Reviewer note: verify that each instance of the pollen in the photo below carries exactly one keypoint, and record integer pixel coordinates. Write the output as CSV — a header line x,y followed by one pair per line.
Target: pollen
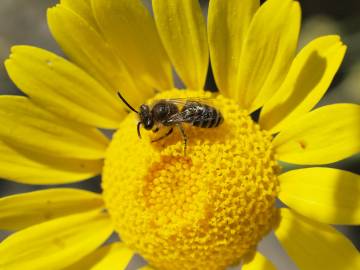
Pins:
x,y
205,210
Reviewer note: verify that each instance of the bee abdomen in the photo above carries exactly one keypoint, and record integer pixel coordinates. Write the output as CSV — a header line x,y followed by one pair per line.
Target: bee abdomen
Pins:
x,y
208,118
219,120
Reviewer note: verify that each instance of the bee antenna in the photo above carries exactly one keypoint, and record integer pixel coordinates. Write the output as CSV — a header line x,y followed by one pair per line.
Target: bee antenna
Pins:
x,y
126,103
138,130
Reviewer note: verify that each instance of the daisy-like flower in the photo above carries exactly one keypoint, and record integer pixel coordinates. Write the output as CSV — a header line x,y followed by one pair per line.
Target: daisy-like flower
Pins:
x,y
210,208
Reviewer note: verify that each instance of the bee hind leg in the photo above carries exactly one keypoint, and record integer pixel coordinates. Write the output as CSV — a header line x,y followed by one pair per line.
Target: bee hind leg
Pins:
x,y
184,136
164,136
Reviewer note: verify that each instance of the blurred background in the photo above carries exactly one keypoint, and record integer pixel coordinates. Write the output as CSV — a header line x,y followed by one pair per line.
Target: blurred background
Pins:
x,y
24,22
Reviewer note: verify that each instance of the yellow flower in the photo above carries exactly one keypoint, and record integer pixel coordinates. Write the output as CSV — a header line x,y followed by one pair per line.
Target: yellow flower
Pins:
x,y
207,209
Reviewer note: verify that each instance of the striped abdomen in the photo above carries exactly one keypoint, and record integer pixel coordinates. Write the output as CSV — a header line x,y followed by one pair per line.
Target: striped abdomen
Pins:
x,y
202,115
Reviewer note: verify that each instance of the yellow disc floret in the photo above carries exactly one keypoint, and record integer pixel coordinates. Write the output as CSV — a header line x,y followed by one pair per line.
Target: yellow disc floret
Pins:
x,y
205,210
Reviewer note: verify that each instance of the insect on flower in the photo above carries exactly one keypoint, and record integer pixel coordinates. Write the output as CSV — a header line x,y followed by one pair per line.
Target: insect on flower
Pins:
x,y
175,112
207,212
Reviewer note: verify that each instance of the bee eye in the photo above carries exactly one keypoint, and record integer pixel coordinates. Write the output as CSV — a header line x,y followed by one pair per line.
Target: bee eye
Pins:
x,y
149,123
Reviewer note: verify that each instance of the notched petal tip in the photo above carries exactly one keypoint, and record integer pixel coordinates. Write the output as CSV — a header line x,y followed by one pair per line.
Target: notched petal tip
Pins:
x,y
309,76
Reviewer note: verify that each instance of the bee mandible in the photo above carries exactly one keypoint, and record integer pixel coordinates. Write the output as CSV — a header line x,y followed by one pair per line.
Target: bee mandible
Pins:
x,y
175,112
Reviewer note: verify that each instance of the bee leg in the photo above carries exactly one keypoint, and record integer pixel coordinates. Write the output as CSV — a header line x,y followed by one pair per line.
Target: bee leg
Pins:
x,y
164,136
183,134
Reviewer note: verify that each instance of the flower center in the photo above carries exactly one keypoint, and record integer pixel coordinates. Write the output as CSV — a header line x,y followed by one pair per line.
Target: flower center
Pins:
x,y
205,210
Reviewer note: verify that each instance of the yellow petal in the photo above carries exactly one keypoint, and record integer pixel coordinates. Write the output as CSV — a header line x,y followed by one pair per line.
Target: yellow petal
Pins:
x,y
29,126
62,88
83,9
55,244
131,31
23,210
325,135
257,262
315,246
28,167
323,194
87,48
286,48
307,81
228,23
267,52
113,256
182,30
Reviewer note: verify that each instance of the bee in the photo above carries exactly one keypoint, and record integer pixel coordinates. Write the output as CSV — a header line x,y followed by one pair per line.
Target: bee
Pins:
x,y
174,113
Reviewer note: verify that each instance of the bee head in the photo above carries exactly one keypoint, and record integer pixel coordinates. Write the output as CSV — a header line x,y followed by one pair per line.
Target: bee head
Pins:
x,y
145,115
146,118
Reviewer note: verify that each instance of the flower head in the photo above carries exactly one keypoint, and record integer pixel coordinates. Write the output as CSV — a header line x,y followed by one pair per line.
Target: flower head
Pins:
x,y
207,208
204,210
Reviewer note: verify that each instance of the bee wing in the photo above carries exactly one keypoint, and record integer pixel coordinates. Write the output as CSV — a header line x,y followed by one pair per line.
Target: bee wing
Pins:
x,y
188,116
181,117
183,101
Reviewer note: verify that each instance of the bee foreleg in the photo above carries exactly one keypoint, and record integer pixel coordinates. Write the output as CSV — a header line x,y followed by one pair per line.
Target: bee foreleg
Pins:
x,y
164,136
183,134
